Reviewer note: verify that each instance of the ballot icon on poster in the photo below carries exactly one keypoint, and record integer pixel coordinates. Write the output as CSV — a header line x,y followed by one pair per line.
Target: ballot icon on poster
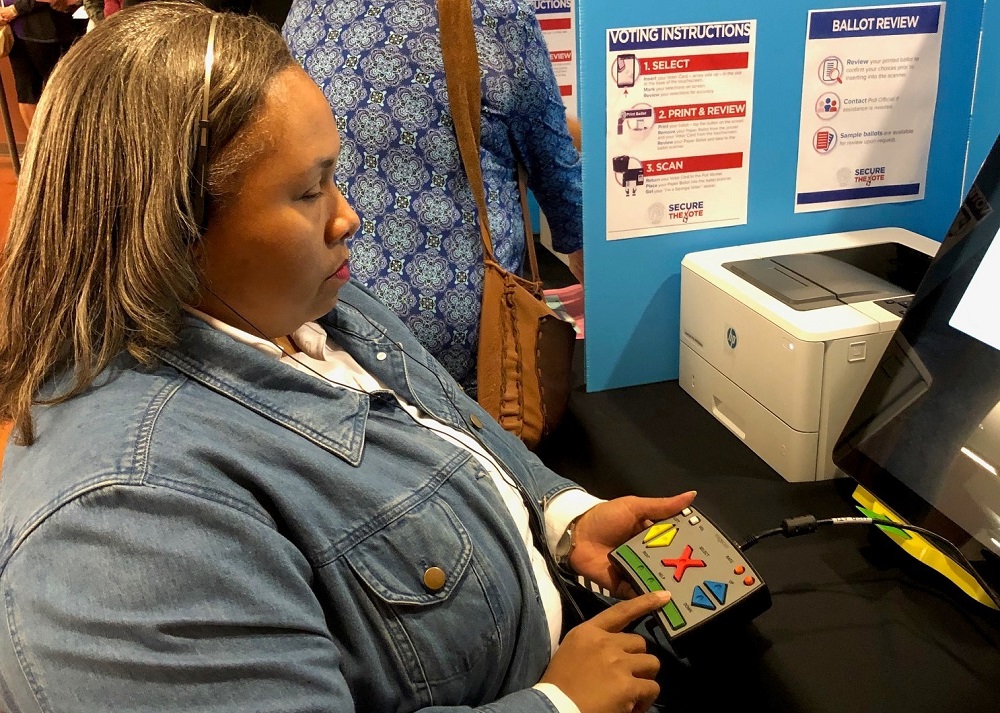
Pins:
x,y
825,140
831,71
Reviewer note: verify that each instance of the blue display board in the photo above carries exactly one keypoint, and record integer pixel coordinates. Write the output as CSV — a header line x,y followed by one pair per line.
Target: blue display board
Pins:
x,y
986,106
633,286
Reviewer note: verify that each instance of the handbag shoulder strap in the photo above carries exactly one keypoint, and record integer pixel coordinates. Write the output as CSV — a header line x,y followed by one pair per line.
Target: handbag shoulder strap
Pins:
x,y
529,234
461,72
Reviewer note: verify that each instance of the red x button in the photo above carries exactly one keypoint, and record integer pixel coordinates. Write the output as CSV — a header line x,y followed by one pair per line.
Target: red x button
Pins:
x,y
683,562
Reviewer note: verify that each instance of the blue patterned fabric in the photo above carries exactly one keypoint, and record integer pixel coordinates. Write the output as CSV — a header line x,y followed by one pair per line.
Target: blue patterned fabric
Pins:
x,y
379,64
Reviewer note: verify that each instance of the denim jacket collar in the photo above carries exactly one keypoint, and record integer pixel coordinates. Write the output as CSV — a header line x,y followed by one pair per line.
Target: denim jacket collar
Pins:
x,y
331,416
394,356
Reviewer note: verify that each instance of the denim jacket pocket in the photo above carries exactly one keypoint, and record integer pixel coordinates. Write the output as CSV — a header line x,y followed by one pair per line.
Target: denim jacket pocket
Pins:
x,y
431,594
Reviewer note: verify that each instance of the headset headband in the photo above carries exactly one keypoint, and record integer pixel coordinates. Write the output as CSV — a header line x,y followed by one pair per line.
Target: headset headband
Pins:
x,y
200,196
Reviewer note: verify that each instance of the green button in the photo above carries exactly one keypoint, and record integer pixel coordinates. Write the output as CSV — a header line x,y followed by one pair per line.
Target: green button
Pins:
x,y
639,567
674,615
633,560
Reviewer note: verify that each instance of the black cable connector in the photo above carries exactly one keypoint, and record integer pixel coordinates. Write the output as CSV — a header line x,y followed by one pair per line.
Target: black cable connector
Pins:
x,y
801,525
804,524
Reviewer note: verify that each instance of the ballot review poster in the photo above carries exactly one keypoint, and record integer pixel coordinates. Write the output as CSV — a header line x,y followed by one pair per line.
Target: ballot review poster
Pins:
x,y
680,105
869,87
557,21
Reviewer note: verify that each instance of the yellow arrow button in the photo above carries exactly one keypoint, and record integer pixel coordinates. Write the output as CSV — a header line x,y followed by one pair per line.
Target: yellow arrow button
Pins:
x,y
660,535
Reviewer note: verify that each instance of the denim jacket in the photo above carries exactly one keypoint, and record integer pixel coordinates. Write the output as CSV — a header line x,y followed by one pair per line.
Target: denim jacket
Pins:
x,y
223,533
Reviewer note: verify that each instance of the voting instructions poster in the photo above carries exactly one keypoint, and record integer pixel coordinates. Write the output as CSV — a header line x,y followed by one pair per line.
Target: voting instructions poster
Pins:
x,y
680,101
557,20
869,87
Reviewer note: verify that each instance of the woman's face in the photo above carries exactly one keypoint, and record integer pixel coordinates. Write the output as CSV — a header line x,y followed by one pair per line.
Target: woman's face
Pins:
x,y
275,255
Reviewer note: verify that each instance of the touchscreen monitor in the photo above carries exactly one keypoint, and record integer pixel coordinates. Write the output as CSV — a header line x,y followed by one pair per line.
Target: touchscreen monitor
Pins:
x,y
924,437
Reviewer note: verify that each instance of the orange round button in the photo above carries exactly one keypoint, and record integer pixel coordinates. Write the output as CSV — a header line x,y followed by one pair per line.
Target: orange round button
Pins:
x,y
748,580
739,569
434,578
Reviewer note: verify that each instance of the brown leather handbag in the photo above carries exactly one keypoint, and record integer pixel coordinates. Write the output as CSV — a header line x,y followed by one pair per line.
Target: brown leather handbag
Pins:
x,y
525,353
6,36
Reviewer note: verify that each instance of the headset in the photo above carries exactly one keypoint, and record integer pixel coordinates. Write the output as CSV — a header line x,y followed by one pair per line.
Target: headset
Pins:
x,y
199,197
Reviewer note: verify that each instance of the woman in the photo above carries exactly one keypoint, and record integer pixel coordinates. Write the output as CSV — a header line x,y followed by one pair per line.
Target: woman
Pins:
x,y
419,249
240,484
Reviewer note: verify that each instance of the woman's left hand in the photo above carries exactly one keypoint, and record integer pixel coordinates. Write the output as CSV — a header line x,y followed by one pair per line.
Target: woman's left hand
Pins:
x,y
607,525
7,14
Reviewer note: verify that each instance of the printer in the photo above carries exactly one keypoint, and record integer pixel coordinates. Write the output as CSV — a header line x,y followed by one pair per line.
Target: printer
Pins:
x,y
779,339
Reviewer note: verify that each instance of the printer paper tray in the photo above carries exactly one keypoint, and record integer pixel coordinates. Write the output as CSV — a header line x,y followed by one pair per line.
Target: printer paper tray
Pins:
x,y
791,453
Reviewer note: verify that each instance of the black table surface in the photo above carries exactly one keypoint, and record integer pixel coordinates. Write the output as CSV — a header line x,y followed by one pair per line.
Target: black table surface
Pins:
x,y
855,623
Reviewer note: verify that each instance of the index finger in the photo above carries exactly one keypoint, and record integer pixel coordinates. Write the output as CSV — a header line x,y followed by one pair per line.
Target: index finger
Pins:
x,y
617,617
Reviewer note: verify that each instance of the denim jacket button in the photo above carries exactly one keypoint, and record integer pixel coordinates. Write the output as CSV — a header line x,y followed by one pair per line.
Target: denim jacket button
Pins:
x,y
476,422
434,578
381,356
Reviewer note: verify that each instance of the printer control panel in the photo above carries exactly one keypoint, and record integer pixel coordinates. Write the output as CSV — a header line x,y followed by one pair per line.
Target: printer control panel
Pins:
x,y
897,305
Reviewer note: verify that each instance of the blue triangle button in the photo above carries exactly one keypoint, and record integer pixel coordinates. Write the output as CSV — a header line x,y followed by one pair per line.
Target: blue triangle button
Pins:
x,y
718,590
700,599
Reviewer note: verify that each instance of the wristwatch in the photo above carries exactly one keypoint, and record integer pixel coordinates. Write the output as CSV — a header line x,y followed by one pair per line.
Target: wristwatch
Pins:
x,y
566,545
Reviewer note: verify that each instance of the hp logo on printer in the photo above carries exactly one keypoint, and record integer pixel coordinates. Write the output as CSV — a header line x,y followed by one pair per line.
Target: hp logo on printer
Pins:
x,y
731,338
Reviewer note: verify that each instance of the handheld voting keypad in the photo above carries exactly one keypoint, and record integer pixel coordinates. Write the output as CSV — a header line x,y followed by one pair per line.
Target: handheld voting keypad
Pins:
x,y
711,581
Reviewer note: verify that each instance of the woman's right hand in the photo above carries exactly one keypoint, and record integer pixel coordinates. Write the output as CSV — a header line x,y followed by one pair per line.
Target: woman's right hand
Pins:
x,y
603,670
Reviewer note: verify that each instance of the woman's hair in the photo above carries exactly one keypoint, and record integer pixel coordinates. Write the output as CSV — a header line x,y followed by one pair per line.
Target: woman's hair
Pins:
x,y
101,253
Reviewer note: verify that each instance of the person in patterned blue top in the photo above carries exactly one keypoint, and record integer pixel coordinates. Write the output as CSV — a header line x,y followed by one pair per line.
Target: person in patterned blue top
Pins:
x,y
419,250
